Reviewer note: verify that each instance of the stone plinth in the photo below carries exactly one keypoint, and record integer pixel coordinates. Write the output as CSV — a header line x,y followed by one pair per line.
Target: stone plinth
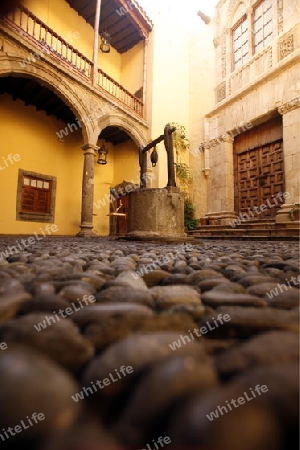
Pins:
x,y
156,213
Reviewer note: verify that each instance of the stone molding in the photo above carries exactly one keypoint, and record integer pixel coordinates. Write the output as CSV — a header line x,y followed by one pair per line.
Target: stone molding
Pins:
x,y
226,137
90,149
280,16
221,92
251,86
289,106
223,64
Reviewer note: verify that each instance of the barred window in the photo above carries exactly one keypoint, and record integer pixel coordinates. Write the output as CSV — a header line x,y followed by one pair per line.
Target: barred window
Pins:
x,y
240,43
262,25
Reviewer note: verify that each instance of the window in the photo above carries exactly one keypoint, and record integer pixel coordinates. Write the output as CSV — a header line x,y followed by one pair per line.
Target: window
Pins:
x,y
36,194
262,25
240,44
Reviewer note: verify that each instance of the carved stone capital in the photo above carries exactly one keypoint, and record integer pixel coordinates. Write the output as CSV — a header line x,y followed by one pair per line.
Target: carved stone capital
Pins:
x,y
217,41
206,171
89,149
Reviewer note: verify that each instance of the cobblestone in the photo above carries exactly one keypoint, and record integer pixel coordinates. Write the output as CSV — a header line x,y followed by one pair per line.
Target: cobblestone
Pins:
x,y
148,301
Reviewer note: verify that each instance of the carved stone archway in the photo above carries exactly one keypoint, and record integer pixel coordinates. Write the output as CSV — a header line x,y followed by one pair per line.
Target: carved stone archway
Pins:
x,y
63,87
48,77
137,134
233,6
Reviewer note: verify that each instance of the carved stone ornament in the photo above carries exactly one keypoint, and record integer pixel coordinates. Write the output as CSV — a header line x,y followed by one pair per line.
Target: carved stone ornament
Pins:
x,y
286,46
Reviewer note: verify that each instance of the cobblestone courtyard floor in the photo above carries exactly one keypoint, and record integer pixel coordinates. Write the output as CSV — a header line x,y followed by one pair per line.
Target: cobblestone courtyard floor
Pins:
x,y
112,344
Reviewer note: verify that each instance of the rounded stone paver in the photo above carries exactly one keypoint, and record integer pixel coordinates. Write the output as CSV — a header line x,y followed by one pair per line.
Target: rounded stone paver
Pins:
x,y
246,321
105,331
180,376
125,294
103,311
218,318
273,348
218,298
167,296
30,383
59,340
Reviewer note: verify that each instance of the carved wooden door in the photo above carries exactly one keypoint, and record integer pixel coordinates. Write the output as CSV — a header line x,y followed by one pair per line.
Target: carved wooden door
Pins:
x,y
259,178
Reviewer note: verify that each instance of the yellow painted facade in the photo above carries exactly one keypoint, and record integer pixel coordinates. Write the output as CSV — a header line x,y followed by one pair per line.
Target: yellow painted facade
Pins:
x,y
181,82
59,16
34,135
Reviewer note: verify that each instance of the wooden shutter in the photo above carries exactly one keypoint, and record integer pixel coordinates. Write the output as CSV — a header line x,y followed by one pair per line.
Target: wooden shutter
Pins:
x,y
27,200
35,197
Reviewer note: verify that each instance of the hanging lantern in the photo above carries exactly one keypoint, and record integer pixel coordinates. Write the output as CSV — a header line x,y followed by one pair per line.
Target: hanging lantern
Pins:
x,y
105,42
102,154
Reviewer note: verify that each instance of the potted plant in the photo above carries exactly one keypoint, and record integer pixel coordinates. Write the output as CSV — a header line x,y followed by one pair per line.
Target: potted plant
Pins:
x,y
294,212
213,221
203,221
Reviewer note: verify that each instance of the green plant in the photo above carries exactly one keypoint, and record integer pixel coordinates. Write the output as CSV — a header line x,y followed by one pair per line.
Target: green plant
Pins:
x,y
180,140
190,223
183,176
181,144
294,208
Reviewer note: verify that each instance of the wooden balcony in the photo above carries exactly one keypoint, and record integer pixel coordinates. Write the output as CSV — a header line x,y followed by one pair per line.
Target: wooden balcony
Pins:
x,y
49,42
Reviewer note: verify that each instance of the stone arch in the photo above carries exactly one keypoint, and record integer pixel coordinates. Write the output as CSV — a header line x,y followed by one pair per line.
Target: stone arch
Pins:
x,y
49,78
233,7
124,123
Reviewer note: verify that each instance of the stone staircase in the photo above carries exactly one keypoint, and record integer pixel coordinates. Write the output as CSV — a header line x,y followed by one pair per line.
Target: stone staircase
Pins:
x,y
249,230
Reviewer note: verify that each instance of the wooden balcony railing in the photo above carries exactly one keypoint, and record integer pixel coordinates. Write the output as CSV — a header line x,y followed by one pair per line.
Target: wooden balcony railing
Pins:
x,y
119,92
49,42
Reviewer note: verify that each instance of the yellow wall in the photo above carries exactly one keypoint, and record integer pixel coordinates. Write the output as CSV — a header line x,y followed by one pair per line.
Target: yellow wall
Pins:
x,y
132,68
126,162
180,84
170,64
104,176
32,135
126,69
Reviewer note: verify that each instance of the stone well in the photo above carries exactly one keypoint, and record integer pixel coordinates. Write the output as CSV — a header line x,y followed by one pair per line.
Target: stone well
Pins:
x,y
156,213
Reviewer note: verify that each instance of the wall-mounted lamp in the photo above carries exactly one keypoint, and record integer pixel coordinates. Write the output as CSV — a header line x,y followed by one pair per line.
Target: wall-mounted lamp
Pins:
x,y
102,154
105,42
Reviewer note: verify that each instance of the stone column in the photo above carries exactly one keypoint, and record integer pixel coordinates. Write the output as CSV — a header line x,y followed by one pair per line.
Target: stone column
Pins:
x,y
87,191
290,112
221,182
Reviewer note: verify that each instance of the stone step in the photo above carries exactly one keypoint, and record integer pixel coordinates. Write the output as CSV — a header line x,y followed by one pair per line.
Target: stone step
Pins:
x,y
262,225
218,231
